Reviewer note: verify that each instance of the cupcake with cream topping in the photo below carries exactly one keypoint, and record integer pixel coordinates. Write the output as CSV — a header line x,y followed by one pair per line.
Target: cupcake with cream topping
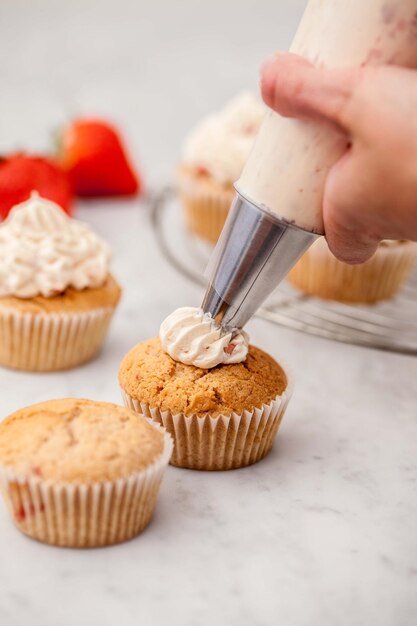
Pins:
x,y
220,398
213,158
318,273
57,296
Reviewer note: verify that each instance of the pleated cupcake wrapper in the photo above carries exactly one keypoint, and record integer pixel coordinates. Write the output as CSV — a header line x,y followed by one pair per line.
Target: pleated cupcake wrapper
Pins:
x,y
205,210
82,515
320,274
51,341
221,442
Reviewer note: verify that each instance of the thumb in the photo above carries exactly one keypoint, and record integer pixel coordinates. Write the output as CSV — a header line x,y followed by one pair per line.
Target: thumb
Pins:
x,y
351,247
294,87
350,229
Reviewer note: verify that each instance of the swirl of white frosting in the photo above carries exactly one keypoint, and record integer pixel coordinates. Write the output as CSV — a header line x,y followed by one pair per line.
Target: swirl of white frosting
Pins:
x,y
43,251
190,336
221,143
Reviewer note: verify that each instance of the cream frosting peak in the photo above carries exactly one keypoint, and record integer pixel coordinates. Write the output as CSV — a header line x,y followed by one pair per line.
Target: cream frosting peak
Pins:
x,y
191,337
44,251
221,143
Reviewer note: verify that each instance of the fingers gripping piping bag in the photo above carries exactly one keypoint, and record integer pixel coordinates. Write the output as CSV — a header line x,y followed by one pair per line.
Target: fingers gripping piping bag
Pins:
x,y
277,213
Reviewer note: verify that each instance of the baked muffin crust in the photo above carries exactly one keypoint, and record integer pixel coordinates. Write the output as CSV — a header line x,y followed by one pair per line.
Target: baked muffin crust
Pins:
x,y
151,376
76,440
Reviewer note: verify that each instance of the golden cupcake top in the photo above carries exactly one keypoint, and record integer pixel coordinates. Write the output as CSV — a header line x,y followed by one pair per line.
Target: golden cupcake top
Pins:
x,y
78,441
150,375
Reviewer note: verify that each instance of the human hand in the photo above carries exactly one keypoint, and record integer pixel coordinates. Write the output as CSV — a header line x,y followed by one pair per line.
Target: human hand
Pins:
x,y
371,192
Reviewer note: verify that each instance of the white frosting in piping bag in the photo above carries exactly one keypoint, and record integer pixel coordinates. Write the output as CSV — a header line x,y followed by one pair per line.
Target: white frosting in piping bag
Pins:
x,y
190,336
43,251
290,160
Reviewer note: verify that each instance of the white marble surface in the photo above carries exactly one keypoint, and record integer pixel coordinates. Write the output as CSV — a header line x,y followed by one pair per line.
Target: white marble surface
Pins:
x,y
321,532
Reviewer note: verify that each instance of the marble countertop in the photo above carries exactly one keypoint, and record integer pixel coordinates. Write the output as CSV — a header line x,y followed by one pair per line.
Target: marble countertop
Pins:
x,y
323,531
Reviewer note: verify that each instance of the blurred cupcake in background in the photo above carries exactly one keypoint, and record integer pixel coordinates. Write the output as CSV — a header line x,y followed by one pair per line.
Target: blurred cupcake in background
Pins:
x,y
57,296
213,158
318,273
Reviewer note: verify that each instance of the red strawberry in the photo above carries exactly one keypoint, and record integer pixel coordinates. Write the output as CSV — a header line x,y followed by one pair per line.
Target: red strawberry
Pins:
x,y
92,153
20,174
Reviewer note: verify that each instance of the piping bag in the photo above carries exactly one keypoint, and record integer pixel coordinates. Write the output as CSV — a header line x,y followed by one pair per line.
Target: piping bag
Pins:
x,y
277,212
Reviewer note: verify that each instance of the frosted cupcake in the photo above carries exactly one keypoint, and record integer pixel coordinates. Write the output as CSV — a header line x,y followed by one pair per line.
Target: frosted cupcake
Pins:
x,y
57,296
319,273
79,473
213,158
221,400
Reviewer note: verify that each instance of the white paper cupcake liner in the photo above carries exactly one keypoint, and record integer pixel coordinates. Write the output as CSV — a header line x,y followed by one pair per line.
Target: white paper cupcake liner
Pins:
x,y
319,273
205,208
85,515
51,341
222,442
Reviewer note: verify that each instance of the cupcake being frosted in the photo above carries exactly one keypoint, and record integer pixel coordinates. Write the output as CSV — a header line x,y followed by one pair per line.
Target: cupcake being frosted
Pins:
x,y
57,295
221,399
213,158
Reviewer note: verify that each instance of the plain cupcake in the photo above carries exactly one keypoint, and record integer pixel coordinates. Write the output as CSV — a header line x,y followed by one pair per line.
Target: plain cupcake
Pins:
x,y
213,157
221,416
57,295
79,473
318,273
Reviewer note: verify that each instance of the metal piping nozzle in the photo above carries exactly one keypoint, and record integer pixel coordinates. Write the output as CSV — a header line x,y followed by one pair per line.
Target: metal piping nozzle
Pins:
x,y
256,250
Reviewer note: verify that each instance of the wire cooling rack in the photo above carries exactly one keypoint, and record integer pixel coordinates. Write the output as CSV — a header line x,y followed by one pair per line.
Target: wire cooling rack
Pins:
x,y
390,325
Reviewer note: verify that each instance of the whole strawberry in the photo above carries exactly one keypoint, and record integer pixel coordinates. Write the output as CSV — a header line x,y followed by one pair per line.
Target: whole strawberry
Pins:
x,y
92,153
20,174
